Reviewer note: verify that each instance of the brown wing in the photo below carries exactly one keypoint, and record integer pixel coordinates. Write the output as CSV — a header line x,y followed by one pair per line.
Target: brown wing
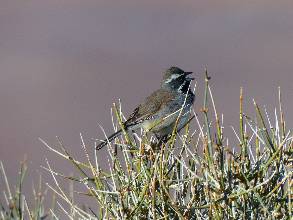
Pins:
x,y
150,106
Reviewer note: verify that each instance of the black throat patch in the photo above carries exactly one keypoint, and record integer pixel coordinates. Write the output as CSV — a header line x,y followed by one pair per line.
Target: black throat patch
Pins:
x,y
184,87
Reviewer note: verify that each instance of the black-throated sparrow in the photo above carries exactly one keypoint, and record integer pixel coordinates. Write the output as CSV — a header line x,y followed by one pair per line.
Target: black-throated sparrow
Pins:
x,y
159,112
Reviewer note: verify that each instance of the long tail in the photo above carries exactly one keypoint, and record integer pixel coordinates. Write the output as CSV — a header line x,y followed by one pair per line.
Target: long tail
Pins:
x,y
109,139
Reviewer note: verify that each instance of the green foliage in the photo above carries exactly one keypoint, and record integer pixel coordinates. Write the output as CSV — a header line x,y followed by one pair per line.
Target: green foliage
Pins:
x,y
15,205
197,174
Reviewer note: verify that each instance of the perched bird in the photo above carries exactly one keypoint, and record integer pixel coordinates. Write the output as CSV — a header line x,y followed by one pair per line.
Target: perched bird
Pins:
x,y
159,112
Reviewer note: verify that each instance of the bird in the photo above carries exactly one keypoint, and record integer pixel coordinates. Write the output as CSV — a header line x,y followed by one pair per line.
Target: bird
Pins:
x,y
158,113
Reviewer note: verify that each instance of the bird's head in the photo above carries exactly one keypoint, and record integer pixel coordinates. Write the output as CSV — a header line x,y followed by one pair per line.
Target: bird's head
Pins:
x,y
176,79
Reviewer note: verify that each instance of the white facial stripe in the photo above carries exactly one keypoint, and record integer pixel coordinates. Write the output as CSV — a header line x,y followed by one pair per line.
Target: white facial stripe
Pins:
x,y
173,76
181,87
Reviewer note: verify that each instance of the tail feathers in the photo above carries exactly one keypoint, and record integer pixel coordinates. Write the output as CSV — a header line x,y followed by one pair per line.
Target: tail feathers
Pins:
x,y
108,139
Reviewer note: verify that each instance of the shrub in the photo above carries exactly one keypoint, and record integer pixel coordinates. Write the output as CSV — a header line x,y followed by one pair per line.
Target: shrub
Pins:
x,y
197,174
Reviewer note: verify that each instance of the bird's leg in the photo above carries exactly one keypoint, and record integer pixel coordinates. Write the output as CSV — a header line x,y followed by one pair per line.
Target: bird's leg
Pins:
x,y
158,137
160,140
164,138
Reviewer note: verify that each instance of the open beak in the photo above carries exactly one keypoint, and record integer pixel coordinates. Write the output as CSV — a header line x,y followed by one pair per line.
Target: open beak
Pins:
x,y
188,73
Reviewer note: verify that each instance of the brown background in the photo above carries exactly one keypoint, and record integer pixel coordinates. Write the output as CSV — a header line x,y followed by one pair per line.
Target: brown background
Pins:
x,y
64,62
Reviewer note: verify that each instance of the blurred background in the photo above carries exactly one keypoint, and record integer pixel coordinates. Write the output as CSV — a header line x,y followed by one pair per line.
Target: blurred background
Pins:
x,y
64,62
